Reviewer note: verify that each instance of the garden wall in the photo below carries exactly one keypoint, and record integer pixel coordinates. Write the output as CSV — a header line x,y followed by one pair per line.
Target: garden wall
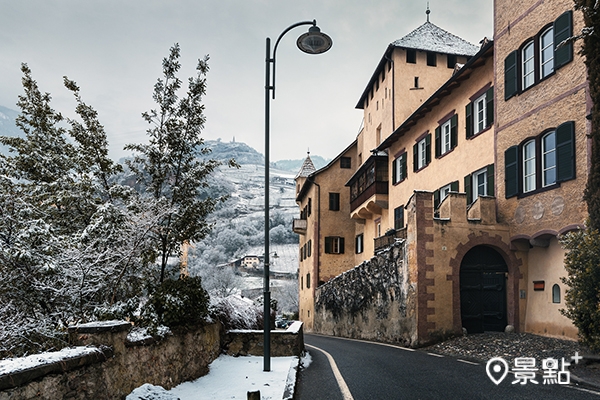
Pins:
x,y
109,362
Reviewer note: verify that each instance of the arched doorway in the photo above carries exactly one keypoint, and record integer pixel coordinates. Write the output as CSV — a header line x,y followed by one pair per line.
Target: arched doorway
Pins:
x,y
483,274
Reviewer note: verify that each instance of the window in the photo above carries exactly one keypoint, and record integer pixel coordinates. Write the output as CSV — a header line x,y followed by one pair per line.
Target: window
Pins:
x,y
440,194
422,153
411,56
416,81
399,217
399,168
378,135
359,244
345,162
480,113
446,136
555,293
334,245
480,183
309,209
301,283
334,201
451,61
309,248
525,171
308,280
527,66
549,159
547,53
539,57
529,166
431,58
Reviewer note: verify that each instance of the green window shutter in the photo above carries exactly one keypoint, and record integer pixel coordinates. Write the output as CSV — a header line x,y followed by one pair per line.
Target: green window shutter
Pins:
x,y
403,170
469,118
489,107
328,245
438,142
341,239
565,151
490,180
511,171
415,157
511,80
436,199
454,131
468,190
454,186
563,29
428,149
394,174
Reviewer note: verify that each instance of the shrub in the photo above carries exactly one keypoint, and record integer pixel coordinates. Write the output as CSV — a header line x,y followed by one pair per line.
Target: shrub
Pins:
x,y
180,302
582,299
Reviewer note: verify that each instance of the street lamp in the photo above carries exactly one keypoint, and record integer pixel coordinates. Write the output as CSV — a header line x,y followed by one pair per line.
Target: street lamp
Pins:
x,y
312,42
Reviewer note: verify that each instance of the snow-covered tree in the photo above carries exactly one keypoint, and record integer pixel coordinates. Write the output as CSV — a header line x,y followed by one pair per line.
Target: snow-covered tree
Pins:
x,y
169,165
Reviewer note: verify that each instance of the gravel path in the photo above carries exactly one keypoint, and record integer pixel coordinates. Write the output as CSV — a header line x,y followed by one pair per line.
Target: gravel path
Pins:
x,y
482,347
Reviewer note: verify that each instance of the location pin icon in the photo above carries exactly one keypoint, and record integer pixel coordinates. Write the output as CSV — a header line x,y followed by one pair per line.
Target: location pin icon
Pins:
x,y
497,369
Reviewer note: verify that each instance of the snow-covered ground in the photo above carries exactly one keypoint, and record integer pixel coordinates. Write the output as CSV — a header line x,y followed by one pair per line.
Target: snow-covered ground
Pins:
x,y
231,378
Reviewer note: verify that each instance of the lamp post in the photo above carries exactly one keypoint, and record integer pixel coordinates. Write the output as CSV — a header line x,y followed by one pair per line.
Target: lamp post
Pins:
x,y
312,42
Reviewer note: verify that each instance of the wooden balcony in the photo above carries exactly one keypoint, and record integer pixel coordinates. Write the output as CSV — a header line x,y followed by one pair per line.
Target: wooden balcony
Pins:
x,y
299,226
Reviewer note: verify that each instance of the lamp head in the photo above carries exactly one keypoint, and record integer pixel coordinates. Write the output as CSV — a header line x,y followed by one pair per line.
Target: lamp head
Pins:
x,y
314,41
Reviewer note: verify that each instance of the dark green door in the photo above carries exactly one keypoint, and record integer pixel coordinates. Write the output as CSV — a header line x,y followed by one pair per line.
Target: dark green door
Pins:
x,y
483,290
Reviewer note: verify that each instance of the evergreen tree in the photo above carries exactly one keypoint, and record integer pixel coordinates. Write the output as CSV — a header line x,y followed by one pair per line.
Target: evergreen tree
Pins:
x,y
169,165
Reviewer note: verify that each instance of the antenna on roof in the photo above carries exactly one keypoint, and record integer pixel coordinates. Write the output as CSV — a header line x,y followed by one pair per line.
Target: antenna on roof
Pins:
x,y
308,152
428,12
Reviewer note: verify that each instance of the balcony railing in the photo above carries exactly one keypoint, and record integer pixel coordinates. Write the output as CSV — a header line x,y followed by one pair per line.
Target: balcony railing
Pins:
x,y
374,188
388,239
299,226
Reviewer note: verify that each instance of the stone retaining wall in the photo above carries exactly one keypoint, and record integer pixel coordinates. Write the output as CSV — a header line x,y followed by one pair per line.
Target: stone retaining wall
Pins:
x,y
115,366
374,301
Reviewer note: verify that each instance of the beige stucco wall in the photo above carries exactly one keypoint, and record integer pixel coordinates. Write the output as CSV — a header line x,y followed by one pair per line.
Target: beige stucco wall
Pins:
x,y
543,316
323,223
467,157
559,98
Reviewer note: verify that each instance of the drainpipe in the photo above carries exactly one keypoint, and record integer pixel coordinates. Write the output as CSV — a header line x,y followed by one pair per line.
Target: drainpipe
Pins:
x,y
318,241
393,91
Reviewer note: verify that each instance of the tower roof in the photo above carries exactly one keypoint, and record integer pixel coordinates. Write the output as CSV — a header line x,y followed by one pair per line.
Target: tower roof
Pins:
x,y
430,37
307,168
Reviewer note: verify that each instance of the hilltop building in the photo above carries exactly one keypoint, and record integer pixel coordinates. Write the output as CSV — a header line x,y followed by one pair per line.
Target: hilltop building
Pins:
x,y
470,154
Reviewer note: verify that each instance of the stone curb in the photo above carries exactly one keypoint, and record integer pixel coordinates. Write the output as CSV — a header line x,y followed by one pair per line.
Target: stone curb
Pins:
x,y
292,378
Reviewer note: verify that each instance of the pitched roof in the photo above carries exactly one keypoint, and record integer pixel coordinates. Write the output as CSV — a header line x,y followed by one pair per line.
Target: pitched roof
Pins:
x,y
430,37
427,37
307,168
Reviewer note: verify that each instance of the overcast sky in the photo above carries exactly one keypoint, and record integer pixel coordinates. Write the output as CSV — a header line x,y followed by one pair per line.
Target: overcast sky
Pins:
x,y
113,49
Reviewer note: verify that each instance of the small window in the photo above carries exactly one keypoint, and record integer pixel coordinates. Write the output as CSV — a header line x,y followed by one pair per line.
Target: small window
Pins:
x,y
411,56
359,244
345,162
309,249
549,159
334,201
416,81
556,294
444,191
334,245
309,209
480,114
480,183
451,60
529,178
527,65
446,138
547,53
399,168
422,153
301,283
399,217
431,59
308,281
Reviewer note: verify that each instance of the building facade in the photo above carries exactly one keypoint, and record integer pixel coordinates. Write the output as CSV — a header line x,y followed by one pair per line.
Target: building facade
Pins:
x,y
478,166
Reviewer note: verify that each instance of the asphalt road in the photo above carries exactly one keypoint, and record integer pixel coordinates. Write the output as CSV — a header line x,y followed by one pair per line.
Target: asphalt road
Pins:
x,y
377,371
